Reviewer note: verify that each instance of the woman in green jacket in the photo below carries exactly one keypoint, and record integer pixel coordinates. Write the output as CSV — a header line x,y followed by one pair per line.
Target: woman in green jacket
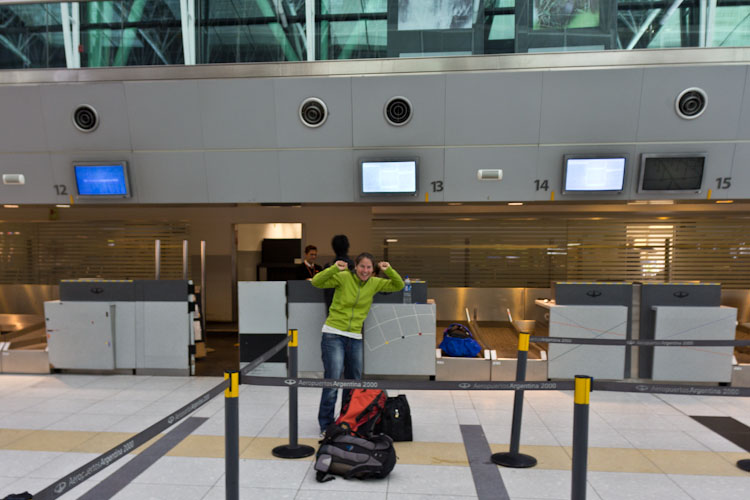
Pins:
x,y
341,344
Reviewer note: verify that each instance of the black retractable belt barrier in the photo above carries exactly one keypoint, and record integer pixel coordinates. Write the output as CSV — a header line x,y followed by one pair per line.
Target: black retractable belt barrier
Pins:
x,y
232,435
513,458
642,342
580,436
73,479
293,449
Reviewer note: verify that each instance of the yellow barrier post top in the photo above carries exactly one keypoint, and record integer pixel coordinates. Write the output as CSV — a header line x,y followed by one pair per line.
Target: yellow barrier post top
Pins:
x,y
582,390
233,390
523,341
293,333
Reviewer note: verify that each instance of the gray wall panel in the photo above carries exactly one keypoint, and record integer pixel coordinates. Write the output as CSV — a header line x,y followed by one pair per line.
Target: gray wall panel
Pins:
x,y
335,92
431,168
550,168
62,174
318,176
237,113
718,164
242,176
427,96
164,114
492,108
517,163
590,106
170,177
27,133
658,120
740,173
59,102
743,130
40,184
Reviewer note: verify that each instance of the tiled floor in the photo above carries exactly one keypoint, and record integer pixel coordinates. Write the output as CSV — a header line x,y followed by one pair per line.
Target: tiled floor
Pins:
x,y
641,446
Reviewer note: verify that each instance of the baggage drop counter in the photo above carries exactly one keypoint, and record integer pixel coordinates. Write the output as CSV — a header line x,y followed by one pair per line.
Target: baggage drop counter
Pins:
x,y
686,311
399,339
590,310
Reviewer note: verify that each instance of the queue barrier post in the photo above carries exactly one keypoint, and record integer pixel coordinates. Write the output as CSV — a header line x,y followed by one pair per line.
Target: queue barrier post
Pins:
x,y
232,435
580,436
513,458
293,449
744,465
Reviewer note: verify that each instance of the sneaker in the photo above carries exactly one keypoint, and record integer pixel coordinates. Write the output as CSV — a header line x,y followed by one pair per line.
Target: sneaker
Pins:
x,y
322,434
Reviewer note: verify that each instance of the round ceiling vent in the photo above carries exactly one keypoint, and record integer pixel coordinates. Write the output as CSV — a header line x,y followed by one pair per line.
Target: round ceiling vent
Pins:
x,y
313,112
85,118
691,103
398,111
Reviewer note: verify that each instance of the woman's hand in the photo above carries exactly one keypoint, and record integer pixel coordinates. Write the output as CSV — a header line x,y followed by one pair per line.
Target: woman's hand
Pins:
x,y
383,265
342,265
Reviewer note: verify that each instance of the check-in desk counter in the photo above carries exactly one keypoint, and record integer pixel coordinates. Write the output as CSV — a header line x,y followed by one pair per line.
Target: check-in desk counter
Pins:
x,y
685,311
586,321
141,325
399,339
693,364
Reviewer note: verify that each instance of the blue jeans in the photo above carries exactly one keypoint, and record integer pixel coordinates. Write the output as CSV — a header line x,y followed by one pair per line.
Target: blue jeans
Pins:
x,y
340,355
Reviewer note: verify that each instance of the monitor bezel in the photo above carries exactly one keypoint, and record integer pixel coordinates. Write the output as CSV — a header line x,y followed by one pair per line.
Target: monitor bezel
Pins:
x,y
568,157
123,164
362,161
642,171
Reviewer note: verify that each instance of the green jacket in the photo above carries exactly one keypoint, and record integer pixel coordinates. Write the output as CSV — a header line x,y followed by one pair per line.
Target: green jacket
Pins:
x,y
353,297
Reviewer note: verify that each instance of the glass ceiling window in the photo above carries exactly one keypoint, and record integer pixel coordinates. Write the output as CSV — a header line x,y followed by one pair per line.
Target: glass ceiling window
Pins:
x,y
160,32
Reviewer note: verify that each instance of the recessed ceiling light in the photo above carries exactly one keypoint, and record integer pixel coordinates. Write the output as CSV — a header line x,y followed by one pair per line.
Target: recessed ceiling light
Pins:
x,y
10,206
724,201
515,203
62,206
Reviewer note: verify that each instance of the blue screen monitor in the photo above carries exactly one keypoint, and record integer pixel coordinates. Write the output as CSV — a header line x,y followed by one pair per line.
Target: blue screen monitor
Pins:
x,y
589,174
102,180
389,177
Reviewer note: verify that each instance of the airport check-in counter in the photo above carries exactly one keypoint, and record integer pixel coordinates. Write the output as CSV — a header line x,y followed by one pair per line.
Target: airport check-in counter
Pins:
x,y
141,325
399,339
686,311
589,310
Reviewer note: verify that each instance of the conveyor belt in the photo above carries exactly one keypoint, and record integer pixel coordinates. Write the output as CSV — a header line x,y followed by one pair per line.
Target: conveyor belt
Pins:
x,y
497,335
742,353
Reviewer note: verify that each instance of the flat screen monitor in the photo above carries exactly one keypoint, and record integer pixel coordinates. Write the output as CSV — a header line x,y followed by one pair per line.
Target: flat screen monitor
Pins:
x,y
102,180
593,174
671,173
388,177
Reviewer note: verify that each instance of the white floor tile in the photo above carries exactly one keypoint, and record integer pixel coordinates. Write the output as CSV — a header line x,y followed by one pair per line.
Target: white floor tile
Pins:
x,y
540,484
340,495
183,470
661,440
29,420
85,422
272,473
219,493
431,480
161,492
714,441
633,486
713,487
19,463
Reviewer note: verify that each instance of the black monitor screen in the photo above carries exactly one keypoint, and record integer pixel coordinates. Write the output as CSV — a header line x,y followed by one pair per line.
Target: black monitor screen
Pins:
x,y
672,173
102,180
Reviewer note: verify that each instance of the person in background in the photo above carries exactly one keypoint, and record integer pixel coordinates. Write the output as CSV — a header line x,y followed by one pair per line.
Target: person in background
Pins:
x,y
309,268
341,344
340,246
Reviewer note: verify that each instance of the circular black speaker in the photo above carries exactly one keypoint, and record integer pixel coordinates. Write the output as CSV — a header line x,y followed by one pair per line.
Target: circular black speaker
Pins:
x,y
691,103
85,118
313,112
398,111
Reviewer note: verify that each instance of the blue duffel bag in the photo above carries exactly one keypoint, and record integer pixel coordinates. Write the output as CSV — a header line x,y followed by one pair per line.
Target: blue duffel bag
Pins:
x,y
459,342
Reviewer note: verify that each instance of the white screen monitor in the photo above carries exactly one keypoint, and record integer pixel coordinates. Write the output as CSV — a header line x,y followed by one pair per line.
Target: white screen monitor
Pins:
x,y
589,174
102,180
388,177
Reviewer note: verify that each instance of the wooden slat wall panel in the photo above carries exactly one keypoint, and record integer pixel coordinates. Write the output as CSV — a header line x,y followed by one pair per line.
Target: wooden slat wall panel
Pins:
x,y
45,253
533,252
